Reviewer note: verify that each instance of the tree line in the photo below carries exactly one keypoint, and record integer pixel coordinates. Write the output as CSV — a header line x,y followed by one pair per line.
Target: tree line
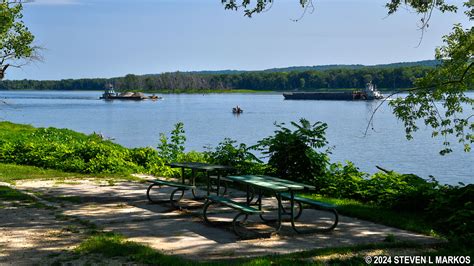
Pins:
x,y
342,78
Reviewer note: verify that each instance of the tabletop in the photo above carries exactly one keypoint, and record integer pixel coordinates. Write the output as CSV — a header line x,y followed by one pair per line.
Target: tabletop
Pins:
x,y
201,166
268,182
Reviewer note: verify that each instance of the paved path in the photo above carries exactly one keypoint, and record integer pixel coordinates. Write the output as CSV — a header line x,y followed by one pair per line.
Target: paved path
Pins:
x,y
123,208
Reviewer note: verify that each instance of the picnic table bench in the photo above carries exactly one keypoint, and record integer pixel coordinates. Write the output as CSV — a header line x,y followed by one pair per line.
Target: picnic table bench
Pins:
x,y
178,187
191,184
316,204
242,208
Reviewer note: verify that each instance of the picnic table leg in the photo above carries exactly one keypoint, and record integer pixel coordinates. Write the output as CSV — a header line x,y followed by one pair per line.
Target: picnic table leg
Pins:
x,y
193,182
209,184
278,227
248,194
183,179
292,206
218,181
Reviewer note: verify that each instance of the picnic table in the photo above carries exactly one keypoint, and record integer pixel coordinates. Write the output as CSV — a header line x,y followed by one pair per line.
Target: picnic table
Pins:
x,y
204,167
281,188
191,184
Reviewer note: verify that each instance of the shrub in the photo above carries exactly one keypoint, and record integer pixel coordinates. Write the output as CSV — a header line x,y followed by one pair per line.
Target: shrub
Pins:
x,y
293,154
171,149
239,156
398,191
342,181
453,212
71,151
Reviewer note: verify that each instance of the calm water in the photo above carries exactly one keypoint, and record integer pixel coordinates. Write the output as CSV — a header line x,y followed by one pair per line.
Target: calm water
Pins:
x,y
208,120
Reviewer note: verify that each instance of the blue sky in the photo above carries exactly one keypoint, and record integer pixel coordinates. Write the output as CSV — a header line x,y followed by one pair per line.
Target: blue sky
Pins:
x,y
109,38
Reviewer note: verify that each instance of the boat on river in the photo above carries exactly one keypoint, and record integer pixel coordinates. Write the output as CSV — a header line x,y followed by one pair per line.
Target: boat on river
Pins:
x,y
110,94
237,110
368,94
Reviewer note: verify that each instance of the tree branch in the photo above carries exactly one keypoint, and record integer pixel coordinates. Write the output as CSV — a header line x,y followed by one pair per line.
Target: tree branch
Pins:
x,y
416,89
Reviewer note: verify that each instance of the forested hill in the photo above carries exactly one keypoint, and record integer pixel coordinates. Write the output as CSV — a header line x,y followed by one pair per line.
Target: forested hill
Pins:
x,y
329,77
427,63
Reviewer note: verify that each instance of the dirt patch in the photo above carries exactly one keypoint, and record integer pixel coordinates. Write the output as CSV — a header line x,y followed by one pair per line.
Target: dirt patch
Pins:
x,y
33,235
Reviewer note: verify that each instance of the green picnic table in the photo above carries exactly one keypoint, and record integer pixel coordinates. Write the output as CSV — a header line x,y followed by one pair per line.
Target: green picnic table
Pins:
x,y
281,188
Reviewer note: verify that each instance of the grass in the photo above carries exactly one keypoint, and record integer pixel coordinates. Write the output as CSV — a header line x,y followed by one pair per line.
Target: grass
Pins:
x,y
411,221
16,198
10,194
10,173
112,245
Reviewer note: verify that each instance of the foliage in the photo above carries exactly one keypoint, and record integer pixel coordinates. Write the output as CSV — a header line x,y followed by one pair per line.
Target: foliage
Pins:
x,y
70,151
444,86
399,191
174,147
453,212
15,39
342,181
386,188
236,155
260,5
293,154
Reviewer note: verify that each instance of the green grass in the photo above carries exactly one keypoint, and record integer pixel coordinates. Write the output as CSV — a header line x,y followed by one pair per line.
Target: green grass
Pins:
x,y
10,194
111,245
11,172
412,221
17,198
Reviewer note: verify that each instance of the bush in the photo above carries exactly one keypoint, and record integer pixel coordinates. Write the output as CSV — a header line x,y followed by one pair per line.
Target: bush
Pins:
x,y
293,154
236,155
171,149
342,181
399,191
71,151
453,212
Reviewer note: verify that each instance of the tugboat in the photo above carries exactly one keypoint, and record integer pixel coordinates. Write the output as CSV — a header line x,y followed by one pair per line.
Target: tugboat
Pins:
x,y
368,94
237,110
110,94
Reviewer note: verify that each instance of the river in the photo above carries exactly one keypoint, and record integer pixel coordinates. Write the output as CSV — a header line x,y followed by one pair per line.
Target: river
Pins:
x,y
208,120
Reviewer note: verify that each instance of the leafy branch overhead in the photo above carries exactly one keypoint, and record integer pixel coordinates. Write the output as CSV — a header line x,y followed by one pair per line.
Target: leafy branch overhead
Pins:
x,y
16,41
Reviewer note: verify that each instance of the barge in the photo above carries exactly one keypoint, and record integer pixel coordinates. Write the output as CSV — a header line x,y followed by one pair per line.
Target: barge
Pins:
x,y
110,94
369,93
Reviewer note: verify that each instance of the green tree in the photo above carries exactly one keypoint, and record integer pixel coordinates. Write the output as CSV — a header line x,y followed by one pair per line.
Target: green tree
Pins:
x,y
439,98
16,41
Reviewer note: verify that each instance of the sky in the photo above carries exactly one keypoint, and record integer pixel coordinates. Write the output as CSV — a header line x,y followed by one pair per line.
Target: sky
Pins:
x,y
111,38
